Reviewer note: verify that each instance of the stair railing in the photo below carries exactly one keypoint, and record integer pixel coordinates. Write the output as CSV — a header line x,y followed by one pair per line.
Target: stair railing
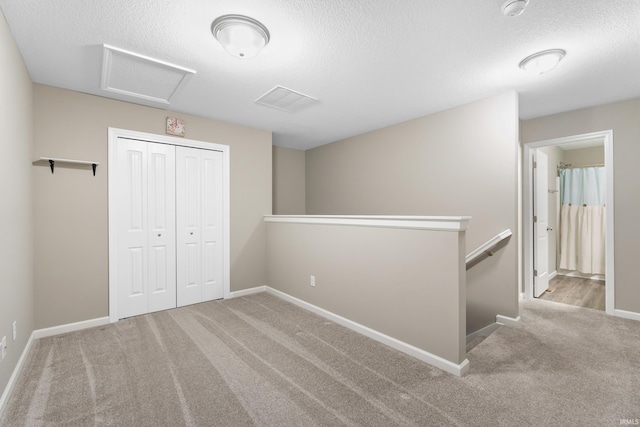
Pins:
x,y
488,248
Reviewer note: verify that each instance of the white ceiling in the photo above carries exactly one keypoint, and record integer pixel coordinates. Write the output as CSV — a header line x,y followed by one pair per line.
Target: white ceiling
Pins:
x,y
369,63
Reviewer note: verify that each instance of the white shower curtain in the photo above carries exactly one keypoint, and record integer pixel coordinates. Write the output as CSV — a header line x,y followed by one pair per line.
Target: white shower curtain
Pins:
x,y
582,220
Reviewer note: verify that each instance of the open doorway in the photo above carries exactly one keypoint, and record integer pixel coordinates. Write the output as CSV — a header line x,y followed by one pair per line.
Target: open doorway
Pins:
x,y
569,247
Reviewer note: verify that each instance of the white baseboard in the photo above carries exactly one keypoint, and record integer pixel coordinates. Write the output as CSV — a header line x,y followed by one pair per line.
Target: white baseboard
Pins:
x,y
484,332
506,320
245,292
70,327
43,333
425,356
626,314
574,273
488,330
554,274
14,376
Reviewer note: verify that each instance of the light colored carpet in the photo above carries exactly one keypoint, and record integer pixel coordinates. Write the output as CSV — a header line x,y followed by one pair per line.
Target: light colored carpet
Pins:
x,y
258,360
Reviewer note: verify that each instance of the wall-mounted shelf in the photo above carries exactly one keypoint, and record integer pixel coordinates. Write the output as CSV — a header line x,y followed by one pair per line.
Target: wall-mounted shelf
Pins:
x,y
53,160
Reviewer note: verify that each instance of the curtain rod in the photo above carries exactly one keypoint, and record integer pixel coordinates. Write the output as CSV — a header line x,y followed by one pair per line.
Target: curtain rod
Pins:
x,y
581,167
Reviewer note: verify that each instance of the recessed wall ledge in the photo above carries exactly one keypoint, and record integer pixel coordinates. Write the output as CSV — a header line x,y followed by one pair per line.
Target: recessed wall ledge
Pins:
x,y
436,223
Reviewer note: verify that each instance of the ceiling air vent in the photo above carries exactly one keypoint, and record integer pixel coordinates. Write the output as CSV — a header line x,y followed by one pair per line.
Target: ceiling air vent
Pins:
x,y
138,76
285,99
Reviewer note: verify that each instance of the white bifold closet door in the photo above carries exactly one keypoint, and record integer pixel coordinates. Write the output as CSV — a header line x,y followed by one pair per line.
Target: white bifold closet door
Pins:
x,y
199,222
146,234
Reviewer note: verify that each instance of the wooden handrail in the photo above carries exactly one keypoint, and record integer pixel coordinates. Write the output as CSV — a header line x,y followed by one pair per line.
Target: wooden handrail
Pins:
x,y
486,247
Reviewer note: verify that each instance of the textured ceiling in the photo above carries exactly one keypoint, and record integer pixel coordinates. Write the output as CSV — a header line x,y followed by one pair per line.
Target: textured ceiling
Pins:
x,y
369,63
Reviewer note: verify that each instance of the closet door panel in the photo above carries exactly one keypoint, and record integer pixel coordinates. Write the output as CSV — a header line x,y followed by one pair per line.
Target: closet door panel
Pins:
x,y
188,222
162,228
212,225
166,225
132,277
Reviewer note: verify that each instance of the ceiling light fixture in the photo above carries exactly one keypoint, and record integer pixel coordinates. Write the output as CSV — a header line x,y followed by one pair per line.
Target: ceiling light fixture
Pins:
x,y
542,62
514,7
241,36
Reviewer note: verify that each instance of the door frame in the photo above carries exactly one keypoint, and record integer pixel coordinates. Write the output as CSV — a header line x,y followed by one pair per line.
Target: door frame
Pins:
x,y
113,135
527,214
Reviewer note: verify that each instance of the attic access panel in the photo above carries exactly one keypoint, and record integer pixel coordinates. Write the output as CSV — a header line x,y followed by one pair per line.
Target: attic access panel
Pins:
x,y
138,76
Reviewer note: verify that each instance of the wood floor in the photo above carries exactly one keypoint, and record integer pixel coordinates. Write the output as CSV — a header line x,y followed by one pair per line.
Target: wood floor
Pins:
x,y
576,291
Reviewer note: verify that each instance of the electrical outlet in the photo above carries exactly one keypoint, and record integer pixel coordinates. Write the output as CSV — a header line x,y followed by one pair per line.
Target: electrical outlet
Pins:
x,y
15,329
312,281
3,345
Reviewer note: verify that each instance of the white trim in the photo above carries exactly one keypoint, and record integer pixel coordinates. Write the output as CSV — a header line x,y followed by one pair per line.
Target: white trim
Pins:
x,y
626,314
70,327
43,333
484,332
553,274
245,292
439,223
519,220
607,136
166,139
506,320
112,203
610,296
425,356
6,394
113,135
575,273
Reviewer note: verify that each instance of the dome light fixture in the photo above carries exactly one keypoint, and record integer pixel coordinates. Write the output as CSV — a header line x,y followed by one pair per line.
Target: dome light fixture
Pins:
x,y
542,62
514,7
241,36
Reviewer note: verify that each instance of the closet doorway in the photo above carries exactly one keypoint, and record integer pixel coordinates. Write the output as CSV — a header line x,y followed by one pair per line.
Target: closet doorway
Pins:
x,y
168,222
579,235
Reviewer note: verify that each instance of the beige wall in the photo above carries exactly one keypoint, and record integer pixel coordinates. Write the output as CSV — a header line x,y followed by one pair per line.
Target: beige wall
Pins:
x,y
622,118
16,218
584,156
407,284
71,256
288,181
461,161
